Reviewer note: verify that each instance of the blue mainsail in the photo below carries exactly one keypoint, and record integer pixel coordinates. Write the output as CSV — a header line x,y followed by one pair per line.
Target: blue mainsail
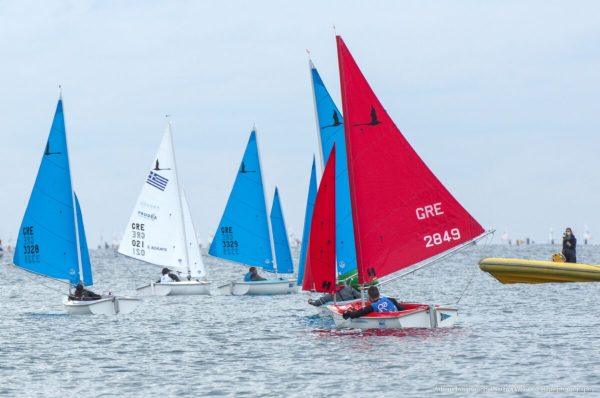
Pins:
x,y
331,130
283,254
243,233
47,244
310,205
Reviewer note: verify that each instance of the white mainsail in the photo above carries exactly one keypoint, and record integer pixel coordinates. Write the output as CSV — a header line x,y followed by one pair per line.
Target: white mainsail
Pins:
x,y
160,230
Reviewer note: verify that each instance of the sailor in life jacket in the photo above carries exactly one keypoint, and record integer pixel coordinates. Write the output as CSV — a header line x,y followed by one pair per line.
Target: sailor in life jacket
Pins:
x,y
168,276
252,276
378,304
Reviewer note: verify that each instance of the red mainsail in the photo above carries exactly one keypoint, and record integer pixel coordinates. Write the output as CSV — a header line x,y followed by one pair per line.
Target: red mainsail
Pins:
x,y
402,213
320,261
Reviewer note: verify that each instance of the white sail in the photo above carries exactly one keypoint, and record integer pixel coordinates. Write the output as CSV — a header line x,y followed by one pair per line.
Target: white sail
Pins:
x,y
155,233
196,265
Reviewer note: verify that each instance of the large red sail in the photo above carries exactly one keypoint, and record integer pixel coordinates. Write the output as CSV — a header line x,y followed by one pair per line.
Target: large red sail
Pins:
x,y
402,213
320,261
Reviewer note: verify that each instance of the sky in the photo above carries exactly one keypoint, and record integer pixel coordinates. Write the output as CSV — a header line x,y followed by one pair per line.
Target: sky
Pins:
x,y
500,99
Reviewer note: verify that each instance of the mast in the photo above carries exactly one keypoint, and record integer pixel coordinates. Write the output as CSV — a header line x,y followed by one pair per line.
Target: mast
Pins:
x,y
79,262
182,221
271,241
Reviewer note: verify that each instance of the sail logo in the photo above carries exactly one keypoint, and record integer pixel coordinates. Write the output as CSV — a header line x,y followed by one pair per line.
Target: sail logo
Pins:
x,y
157,181
145,215
374,120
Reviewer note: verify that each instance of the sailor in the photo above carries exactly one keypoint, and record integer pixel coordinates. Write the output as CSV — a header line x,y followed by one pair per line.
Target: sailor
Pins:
x,y
252,276
378,304
83,294
342,293
569,244
168,276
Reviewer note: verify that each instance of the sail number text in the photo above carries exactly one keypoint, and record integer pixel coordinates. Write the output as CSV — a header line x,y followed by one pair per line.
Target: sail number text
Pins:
x,y
31,250
137,239
230,244
429,211
441,237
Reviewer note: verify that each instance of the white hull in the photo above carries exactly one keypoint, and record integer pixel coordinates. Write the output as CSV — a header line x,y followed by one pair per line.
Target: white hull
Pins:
x,y
183,288
110,305
260,288
424,316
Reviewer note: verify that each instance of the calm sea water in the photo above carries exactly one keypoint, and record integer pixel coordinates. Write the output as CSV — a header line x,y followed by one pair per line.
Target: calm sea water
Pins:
x,y
539,340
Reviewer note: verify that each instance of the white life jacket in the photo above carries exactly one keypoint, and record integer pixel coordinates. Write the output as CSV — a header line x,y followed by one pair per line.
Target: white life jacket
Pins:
x,y
166,279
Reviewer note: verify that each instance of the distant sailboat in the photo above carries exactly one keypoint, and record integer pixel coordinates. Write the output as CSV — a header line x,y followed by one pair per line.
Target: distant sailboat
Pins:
x,y
160,230
403,215
52,240
244,233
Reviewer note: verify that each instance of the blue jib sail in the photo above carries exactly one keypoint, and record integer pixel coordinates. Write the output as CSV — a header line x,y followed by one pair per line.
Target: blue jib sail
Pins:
x,y
243,233
283,254
86,265
331,130
47,244
310,205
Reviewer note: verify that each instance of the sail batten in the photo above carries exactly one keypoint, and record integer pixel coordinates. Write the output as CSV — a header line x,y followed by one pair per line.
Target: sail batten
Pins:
x,y
402,213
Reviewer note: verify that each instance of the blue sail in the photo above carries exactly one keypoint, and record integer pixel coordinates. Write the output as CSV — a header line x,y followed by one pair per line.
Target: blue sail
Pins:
x,y
86,265
331,130
310,205
47,244
243,233
283,254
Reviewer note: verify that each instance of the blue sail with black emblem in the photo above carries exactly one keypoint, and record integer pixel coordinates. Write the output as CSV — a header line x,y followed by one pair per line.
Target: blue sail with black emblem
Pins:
x,y
243,233
47,241
283,254
331,131
310,205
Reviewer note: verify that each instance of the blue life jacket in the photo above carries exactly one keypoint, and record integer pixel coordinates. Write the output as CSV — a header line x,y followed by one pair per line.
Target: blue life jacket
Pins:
x,y
384,304
248,277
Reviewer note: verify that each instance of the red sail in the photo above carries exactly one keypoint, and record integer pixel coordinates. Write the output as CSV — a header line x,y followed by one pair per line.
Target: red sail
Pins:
x,y
320,261
402,213
308,284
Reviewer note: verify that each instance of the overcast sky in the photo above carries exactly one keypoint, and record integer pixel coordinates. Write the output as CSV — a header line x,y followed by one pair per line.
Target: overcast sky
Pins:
x,y
501,100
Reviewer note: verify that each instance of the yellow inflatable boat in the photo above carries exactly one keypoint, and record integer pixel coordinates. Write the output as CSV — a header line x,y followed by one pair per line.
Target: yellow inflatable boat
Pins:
x,y
513,270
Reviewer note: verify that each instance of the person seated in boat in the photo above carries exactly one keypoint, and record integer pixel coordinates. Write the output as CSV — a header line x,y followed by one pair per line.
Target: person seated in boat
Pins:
x,y
343,293
168,276
252,275
83,294
569,246
378,304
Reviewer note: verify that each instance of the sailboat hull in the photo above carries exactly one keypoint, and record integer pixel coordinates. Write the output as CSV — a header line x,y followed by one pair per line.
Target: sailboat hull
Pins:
x,y
324,310
269,287
415,316
110,305
183,288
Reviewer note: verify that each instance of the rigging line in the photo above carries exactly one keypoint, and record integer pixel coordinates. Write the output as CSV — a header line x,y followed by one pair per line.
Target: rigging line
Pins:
x,y
468,284
26,274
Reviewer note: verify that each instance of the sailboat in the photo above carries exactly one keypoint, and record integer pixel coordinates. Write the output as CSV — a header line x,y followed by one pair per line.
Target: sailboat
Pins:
x,y
330,127
52,240
403,217
160,230
244,232
310,204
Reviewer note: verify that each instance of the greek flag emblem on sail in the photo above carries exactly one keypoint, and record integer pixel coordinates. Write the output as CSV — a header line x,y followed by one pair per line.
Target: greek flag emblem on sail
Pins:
x,y
157,181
